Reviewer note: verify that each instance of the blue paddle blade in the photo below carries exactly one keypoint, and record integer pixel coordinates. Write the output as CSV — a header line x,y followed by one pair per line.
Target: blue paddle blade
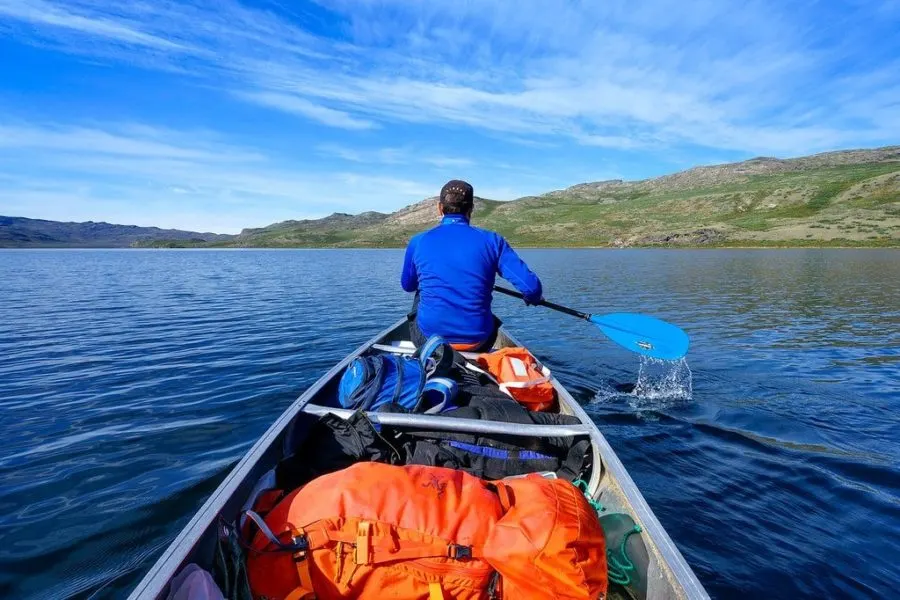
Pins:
x,y
645,335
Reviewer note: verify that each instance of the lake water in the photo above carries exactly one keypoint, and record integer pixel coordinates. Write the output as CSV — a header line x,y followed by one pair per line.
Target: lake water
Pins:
x,y
131,381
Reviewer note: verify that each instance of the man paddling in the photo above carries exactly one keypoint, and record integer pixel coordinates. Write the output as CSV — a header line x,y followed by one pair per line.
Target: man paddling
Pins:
x,y
452,269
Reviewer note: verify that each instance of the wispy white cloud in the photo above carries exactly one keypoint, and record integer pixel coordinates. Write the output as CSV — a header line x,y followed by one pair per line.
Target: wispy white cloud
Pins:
x,y
302,106
134,174
40,13
148,176
446,162
393,156
387,156
615,74
128,140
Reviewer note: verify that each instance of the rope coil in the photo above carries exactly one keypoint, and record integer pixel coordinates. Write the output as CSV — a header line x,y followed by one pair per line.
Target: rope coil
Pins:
x,y
619,570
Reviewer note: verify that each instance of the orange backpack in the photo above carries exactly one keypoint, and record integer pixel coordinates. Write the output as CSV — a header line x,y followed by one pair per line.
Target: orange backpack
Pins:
x,y
428,533
521,376
549,543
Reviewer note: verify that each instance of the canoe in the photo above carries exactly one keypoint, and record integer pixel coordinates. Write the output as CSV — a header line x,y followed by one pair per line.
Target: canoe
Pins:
x,y
660,571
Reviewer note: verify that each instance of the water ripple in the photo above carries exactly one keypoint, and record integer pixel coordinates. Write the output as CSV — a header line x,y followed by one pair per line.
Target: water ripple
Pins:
x,y
131,382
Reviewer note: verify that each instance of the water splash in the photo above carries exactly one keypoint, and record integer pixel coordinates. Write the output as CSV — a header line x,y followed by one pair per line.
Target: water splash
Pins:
x,y
663,380
607,393
660,384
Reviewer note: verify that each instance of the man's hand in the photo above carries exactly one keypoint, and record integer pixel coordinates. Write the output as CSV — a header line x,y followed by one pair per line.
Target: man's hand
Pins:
x,y
535,303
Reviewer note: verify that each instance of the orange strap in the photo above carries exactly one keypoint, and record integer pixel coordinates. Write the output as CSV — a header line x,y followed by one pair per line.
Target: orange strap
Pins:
x,y
363,542
305,590
373,551
504,495
300,594
435,591
369,551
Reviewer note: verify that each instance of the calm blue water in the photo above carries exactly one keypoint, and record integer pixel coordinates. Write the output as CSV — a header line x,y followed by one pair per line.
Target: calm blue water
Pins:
x,y
131,381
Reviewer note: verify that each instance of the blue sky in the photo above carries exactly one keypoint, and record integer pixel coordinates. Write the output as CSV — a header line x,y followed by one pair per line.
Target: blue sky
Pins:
x,y
220,115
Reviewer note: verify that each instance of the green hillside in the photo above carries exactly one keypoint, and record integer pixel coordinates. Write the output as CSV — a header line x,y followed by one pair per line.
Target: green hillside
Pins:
x,y
850,204
847,198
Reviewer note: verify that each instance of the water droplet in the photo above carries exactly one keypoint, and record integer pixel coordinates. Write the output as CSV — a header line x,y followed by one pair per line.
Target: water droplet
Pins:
x,y
663,381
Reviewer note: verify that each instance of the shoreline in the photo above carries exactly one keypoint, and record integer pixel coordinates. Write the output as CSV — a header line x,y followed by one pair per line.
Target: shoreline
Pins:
x,y
517,246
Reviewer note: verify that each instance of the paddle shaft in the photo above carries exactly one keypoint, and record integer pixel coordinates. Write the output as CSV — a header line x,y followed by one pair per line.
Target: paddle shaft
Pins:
x,y
550,305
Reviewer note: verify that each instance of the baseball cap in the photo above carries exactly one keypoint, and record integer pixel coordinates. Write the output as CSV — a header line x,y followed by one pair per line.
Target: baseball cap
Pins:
x,y
458,186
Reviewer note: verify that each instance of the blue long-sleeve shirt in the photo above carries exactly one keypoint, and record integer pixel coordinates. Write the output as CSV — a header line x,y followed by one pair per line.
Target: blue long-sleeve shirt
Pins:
x,y
453,267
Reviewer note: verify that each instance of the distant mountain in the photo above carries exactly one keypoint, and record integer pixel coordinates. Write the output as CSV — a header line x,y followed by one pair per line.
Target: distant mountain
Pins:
x,y
847,198
19,232
369,229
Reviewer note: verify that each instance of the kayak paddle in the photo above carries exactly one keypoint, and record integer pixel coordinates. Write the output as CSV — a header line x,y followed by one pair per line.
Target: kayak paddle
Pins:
x,y
639,333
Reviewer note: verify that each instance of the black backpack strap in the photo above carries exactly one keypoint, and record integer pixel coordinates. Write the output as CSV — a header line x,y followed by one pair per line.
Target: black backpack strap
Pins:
x,y
495,590
574,465
420,391
399,362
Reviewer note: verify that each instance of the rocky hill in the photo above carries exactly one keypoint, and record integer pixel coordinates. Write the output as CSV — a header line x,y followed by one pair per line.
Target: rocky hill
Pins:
x,y
332,230
19,232
849,198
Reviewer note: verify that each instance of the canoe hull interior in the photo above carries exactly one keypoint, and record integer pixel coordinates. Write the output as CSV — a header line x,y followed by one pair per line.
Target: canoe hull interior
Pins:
x,y
661,573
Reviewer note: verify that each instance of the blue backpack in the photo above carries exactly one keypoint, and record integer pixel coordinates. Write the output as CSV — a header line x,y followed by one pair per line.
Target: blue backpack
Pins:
x,y
414,383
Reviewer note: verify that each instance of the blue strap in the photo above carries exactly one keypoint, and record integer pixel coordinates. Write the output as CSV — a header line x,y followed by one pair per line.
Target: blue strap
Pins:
x,y
489,452
444,388
426,350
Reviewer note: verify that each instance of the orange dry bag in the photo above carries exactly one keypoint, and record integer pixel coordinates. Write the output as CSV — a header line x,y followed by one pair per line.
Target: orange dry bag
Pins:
x,y
549,544
378,531
521,376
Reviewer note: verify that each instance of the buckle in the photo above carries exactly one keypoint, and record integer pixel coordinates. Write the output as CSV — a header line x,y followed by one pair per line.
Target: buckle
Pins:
x,y
299,546
457,552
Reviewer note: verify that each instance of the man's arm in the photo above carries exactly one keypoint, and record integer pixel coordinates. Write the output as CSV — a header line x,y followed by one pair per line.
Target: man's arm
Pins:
x,y
409,279
513,269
